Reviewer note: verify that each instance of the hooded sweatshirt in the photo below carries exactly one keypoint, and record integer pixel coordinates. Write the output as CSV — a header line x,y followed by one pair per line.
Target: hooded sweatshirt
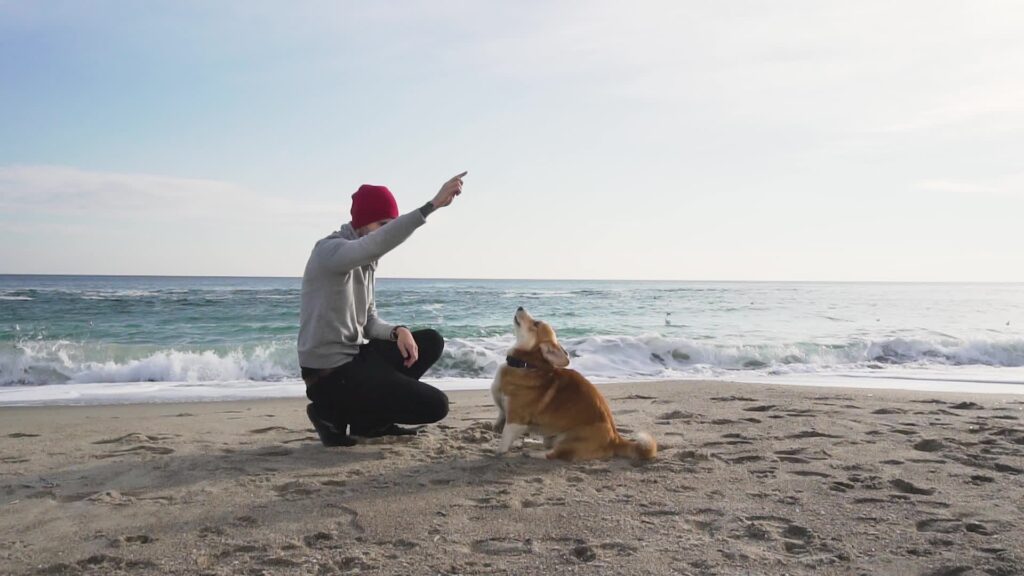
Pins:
x,y
338,313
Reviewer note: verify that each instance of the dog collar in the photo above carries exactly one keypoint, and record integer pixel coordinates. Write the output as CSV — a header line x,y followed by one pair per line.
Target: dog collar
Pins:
x,y
517,363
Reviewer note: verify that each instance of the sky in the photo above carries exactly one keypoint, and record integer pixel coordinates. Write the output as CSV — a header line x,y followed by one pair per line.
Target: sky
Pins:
x,y
739,140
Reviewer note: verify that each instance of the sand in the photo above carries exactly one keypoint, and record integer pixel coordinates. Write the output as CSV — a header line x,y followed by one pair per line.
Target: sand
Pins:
x,y
751,479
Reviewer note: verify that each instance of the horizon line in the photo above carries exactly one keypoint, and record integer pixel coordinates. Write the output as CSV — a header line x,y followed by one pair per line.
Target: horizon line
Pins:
x,y
531,279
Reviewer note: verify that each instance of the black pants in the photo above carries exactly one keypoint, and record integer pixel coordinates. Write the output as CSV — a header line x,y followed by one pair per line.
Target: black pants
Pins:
x,y
375,388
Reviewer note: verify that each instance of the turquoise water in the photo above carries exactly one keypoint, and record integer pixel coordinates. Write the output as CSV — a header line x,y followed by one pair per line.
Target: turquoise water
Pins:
x,y
72,330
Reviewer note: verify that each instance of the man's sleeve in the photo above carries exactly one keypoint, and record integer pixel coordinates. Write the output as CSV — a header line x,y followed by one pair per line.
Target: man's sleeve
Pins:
x,y
339,255
375,328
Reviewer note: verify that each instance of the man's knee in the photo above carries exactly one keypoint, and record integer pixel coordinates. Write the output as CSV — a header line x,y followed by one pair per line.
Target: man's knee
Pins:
x,y
431,344
437,407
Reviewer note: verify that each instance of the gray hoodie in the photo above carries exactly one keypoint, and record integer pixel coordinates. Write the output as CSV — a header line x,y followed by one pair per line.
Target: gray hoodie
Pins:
x,y
338,313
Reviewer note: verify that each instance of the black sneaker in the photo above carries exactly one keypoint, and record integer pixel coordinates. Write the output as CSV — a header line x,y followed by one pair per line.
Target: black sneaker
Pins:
x,y
389,430
328,432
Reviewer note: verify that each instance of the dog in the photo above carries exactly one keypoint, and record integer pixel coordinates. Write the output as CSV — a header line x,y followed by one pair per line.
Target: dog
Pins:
x,y
535,392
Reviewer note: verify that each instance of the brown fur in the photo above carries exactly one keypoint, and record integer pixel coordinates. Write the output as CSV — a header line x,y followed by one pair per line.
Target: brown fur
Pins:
x,y
559,402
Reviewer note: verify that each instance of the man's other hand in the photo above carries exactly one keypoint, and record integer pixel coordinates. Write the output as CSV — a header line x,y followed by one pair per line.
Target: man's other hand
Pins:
x,y
407,346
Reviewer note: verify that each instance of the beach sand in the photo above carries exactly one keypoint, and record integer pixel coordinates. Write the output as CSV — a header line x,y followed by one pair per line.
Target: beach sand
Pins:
x,y
750,479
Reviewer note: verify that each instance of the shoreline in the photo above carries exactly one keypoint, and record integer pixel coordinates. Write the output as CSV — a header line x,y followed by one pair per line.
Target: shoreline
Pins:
x,y
105,394
749,477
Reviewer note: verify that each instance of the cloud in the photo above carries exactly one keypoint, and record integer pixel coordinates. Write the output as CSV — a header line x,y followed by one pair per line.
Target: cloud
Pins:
x,y
62,190
1009,186
1002,105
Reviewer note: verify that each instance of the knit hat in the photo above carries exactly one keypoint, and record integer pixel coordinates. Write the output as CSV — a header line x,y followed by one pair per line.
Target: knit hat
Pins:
x,y
372,203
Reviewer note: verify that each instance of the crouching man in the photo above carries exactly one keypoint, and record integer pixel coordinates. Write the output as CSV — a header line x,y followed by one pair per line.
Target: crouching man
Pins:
x,y
362,374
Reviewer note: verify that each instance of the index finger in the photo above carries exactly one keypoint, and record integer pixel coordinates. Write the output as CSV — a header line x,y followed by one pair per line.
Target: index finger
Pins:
x,y
459,176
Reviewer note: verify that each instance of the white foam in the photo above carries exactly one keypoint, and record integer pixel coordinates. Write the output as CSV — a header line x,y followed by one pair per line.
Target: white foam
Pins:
x,y
39,362
65,371
647,356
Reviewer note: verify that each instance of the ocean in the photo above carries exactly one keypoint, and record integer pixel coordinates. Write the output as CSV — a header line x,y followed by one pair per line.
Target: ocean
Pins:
x,y
107,339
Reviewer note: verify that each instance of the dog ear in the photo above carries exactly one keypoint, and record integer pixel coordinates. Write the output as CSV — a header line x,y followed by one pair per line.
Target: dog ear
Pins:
x,y
555,354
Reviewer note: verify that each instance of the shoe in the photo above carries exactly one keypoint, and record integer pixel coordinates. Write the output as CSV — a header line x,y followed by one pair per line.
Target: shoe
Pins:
x,y
389,430
328,432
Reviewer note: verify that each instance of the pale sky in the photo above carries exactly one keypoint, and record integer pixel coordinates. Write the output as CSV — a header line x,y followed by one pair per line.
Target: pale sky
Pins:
x,y
716,140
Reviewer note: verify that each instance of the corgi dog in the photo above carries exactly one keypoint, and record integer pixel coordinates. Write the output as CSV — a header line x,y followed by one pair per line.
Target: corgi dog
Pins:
x,y
535,392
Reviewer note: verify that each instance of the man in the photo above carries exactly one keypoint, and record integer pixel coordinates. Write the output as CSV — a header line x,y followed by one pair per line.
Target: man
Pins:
x,y
359,370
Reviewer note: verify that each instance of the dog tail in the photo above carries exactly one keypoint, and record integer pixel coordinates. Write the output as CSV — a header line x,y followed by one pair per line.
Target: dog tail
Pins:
x,y
644,448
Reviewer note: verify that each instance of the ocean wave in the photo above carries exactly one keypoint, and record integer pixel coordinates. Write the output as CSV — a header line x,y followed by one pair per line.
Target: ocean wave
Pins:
x,y
41,362
38,362
620,357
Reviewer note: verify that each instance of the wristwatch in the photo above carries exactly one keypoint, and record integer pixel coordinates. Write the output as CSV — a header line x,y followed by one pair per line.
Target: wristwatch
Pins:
x,y
394,332
427,208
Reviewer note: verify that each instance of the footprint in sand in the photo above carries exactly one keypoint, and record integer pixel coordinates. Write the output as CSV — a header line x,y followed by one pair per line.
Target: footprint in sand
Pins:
x,y
274,451
1011,436
926,460
1001,467
619,548
1004,417
317,540
797,539
302,439
503,547
839,486
271,429
677,415
985,462
279,562
745,459
98,563
147,448
939,525
487,502
133,437
910,488
978,528
950,571
22,435
583,553
528,503
112,497
477,434
867,482
297,489
763,473
246,520
733,399
810,473
811,434
929,445
400,544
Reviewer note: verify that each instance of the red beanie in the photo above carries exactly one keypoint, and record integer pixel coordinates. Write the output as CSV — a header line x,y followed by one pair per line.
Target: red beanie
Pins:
x,y
372,203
